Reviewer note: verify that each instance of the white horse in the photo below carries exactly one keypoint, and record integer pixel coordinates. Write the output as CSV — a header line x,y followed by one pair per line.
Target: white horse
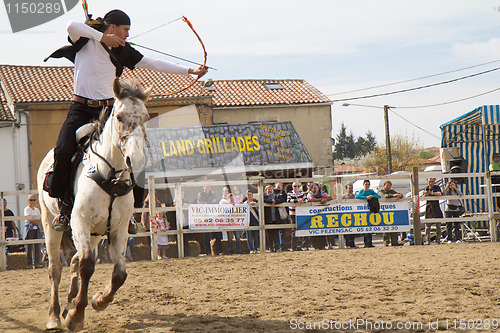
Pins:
x,y
120,146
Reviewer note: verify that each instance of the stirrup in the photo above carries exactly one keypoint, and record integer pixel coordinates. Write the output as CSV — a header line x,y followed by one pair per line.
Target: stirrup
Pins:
x,y
61,223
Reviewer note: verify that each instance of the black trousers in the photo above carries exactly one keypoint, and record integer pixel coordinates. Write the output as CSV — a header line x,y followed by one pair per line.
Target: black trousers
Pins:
x,y
78,115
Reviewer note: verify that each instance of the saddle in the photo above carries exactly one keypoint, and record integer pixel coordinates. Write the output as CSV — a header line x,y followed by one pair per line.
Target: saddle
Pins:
x,y
82,135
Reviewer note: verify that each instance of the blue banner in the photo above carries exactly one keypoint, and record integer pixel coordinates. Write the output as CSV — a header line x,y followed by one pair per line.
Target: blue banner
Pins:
x,y
352,218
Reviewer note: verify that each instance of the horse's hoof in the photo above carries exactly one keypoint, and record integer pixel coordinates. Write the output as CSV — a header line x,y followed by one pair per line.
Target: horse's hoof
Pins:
x,y
72,324
53,325
95,302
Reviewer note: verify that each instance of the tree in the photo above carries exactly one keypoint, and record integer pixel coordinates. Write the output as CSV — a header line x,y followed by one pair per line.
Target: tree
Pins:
x,y
370,142
344,144
365,145
405,153
347,147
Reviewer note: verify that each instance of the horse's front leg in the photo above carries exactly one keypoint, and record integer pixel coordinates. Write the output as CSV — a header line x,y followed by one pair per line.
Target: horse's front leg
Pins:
x,y
117,251
74,319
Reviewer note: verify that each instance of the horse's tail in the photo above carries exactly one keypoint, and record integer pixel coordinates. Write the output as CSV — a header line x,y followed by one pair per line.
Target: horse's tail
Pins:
x,y
67,244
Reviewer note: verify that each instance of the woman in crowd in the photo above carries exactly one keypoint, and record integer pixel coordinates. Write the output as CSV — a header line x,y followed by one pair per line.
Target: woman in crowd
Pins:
x,y
253,239
454,234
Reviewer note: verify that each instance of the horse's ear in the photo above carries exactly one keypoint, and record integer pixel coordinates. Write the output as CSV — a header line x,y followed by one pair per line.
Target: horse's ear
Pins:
x,y
148,92
117,88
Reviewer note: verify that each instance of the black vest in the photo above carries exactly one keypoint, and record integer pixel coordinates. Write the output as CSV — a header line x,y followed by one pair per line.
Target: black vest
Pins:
x,y
120,56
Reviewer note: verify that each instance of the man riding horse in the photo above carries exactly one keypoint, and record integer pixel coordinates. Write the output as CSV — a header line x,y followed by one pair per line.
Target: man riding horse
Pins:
x,y
99,53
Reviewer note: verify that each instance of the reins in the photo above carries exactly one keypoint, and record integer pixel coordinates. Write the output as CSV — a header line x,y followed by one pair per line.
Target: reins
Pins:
x,y
112,185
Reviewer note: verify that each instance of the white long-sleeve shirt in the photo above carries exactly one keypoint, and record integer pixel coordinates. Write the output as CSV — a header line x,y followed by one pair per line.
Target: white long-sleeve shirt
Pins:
x,y
94,71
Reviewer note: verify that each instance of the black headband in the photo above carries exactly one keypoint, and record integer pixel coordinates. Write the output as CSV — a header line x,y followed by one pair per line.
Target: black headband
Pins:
x,y
117,17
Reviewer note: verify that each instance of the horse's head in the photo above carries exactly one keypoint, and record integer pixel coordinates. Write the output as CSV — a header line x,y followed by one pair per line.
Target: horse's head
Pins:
x,y
130,114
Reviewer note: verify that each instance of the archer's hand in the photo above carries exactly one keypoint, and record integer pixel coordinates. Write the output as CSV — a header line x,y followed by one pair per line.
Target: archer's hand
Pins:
x,y
200,71
112,40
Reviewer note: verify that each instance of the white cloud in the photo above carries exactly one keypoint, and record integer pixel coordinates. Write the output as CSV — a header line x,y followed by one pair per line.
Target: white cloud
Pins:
x,y
488,50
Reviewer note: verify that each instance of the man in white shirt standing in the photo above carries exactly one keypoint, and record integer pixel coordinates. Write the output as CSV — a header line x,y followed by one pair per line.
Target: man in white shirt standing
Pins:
x,y
32,231
99,54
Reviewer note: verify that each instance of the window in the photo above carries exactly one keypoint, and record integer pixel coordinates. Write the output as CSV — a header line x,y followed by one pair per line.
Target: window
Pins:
x,y
273,86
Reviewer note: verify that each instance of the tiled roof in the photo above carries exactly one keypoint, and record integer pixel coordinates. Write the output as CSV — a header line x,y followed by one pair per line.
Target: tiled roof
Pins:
x,y
229,93
5,114
35,84
39,84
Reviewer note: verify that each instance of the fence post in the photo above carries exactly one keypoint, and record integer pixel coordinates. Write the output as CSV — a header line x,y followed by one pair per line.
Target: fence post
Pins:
x,y
491,201
338,189
3,252
262,227
180,219
417,232
152,214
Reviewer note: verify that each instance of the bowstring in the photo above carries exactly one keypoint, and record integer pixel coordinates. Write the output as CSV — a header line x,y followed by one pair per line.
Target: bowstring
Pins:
x,y
158,27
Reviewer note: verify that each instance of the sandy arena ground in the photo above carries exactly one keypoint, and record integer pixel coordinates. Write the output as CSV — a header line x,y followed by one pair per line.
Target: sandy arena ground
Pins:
x,y
276,292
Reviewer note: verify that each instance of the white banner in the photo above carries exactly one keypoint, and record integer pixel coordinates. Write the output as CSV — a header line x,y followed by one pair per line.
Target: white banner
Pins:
x,y
218,216
352,218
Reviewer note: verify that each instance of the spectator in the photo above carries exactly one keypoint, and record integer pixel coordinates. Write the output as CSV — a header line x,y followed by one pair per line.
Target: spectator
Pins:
x,y
281,195
129,256
271,216
10,226
495,164
350,239
237,195
432,209
145,215
388,193
316,195
495,180
207,196
296,196
32,231
253,238
453,210
230,201
367,194
162,241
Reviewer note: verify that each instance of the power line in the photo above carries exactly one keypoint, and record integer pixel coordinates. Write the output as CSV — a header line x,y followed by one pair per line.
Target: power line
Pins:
x,y
445,103
417,88
420,128
411,80
390,107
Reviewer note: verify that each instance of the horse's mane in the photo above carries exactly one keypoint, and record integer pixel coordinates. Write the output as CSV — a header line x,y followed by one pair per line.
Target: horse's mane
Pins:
x,y
132,88
129,88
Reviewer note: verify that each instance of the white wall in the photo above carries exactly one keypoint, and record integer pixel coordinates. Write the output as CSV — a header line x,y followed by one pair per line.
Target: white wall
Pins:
x,y
14,166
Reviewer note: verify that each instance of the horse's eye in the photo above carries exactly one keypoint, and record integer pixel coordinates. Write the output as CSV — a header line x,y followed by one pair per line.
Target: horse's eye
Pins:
x,y
119,118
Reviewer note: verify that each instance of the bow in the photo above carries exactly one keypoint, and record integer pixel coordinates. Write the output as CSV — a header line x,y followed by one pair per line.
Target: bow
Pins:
x,y
185,19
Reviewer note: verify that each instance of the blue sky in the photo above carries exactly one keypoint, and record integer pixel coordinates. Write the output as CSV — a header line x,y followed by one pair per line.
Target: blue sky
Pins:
x,y
336,46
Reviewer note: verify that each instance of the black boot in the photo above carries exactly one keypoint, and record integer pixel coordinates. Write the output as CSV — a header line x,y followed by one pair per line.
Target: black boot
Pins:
x,y
61,221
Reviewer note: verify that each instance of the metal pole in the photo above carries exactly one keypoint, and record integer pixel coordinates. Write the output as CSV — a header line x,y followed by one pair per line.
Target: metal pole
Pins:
x,y
387,139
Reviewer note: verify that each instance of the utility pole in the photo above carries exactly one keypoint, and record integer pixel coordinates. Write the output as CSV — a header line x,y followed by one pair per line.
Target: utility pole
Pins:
x,y
387,139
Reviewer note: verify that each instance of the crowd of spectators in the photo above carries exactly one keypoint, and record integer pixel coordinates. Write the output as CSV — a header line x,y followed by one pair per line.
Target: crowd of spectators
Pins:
x,y
276,212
